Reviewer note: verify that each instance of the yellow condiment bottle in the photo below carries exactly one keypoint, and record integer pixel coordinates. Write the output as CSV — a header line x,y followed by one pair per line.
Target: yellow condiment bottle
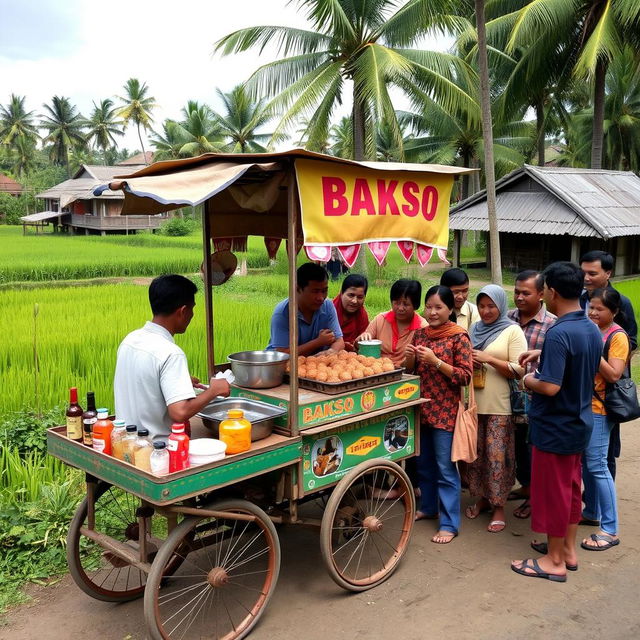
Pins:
x,y
235,432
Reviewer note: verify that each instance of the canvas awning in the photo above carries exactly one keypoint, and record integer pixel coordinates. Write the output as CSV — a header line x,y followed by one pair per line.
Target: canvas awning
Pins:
x,y
245,194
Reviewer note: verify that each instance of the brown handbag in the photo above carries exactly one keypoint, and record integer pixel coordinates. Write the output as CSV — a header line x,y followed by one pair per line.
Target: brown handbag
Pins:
x,y
465,435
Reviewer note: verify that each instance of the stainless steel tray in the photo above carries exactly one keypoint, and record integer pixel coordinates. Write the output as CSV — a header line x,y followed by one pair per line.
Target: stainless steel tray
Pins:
x,y
260,414
333,388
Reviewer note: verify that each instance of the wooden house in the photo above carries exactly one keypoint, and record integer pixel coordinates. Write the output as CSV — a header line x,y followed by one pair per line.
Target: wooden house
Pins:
x,y
556,213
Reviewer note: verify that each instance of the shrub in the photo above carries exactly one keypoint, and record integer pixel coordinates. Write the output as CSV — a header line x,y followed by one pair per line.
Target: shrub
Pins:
x,y
12,209
177,227
25,432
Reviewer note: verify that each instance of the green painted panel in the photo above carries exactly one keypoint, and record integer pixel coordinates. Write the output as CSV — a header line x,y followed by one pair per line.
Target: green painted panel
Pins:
x,y
328,456
332,408
165,490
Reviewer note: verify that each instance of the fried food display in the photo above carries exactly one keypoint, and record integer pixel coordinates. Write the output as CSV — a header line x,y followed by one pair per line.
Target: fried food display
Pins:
x,y
341,367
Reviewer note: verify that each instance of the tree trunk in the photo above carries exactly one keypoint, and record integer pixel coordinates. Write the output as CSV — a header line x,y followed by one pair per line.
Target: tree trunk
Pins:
x,y
487,135
466,178
540,122
144,155
598,115
358,127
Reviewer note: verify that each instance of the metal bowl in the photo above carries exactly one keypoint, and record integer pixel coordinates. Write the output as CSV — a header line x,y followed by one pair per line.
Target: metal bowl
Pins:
x,y
258,369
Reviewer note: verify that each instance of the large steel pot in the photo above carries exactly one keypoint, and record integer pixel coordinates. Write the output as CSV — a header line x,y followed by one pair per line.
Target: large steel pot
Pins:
x,y
258,369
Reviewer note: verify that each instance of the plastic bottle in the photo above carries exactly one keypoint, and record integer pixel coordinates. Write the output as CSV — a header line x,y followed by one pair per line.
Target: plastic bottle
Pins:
x,y
102,432
178,445
159,460
89,418
74,416
235,431
118,433
142,449
128,442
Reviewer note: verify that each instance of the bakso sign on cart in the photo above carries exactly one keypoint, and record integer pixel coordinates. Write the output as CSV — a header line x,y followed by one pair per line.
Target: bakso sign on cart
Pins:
x,y
346,206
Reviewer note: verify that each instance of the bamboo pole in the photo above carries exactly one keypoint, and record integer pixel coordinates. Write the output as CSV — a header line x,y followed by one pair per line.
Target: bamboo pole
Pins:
x,y
208,291
292,226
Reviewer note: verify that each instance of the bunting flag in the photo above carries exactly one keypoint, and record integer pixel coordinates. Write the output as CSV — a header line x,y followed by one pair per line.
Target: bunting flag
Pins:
x,y
424,254
442,254
222,244
239,243
406,249
318,254
272,245
379,250
349,253
299,243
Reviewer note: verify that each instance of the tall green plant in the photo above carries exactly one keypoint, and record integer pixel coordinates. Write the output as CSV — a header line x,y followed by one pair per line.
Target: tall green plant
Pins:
x,y
366,45
65,130
103,126
137,106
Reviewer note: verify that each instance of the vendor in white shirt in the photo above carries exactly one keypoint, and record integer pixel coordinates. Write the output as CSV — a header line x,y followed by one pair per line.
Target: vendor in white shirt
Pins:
x,y
458,281
152,385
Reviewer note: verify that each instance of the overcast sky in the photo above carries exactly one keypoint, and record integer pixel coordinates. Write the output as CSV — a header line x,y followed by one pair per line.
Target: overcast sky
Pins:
x,y
86,50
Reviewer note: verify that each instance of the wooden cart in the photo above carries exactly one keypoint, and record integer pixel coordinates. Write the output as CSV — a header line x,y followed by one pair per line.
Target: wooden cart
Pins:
x,y
201,544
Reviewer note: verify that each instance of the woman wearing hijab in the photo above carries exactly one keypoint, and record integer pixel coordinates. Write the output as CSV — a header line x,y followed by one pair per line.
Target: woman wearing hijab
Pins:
x,y
497,343
442,356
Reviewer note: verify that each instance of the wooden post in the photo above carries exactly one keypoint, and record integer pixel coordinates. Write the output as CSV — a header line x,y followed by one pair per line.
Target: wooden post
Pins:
x,y
457,241
292,226
208,292
575,249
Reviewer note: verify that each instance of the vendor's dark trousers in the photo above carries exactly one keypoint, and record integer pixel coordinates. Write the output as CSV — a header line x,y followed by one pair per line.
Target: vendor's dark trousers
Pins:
x,y
523,454
614,449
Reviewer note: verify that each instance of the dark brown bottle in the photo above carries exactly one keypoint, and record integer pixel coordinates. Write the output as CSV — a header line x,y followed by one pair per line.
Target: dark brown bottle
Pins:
x,y
89,418
74,416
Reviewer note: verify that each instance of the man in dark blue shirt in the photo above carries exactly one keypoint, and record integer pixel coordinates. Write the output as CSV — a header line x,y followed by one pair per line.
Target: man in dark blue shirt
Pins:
x,y
560,422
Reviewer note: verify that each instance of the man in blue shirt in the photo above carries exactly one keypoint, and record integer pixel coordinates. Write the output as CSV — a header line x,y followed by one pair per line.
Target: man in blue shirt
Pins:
x,y
560,422
318,326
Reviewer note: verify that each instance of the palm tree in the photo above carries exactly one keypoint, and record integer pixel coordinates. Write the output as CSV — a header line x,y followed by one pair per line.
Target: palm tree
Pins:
x,y
103,126
342,138
365,44
23,156
589,33
199,131
16,122
241,120
137,106
64,126
168,143
487,137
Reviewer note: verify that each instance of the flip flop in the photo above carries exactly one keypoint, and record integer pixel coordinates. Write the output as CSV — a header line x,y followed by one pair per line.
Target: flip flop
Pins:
x,y
533,566
523,511
472,512
595,537
426,516
448,537
543,548
496,523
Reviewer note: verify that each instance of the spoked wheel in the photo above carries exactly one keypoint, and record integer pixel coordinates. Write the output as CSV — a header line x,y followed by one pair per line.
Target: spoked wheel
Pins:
x,y
98,572
229,571
367,524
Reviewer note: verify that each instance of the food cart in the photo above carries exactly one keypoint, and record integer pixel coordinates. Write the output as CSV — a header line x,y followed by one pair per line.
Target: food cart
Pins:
x,y
195,543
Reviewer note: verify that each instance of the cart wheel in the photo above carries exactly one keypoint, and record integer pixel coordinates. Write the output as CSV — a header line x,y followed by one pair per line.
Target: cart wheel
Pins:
x,y
225,581
367,524
99,573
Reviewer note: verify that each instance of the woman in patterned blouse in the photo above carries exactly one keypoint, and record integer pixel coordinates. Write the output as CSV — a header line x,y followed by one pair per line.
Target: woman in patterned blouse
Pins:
x,y
441,355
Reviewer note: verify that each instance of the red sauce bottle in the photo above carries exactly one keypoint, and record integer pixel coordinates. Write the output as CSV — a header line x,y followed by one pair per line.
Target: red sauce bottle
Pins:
x,y
178,445
74,416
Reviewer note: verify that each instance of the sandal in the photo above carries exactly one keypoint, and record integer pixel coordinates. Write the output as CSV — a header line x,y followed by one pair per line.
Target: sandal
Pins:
x,y
496,526
536,571
474,510
426,516
543,548
444,537
609,541
523,511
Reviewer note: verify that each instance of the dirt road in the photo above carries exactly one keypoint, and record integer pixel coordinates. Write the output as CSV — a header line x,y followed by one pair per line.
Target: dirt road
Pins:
x,y
458,591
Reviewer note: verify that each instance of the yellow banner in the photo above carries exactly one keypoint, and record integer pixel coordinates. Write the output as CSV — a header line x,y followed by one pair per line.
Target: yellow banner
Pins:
x,y
344,204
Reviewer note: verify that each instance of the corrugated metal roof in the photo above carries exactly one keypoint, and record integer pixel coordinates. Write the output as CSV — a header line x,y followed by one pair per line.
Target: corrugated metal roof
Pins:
x,y
545,214
605,203
78,189
42,215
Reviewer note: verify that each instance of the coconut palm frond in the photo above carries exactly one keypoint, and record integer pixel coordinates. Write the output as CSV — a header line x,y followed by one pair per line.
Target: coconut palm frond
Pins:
x,y
288,40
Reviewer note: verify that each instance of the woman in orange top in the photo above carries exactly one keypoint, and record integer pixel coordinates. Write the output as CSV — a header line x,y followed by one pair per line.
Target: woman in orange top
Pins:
x,y
396,327
599,488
